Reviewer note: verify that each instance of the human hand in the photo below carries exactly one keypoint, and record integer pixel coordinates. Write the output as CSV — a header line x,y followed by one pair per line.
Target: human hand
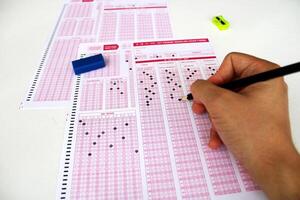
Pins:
x,y
252,122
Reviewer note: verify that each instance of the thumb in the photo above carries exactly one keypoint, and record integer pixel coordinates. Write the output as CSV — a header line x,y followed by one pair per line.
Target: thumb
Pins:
x,y
215,99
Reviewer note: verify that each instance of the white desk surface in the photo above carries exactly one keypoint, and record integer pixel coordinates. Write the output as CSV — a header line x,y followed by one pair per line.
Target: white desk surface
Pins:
x,y
31,140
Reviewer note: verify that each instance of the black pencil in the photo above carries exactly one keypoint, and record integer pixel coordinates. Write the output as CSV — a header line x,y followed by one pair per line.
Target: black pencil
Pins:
x,y
243,82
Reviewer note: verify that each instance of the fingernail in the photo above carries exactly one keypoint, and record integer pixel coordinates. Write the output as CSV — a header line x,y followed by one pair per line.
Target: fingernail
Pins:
x,y
214,143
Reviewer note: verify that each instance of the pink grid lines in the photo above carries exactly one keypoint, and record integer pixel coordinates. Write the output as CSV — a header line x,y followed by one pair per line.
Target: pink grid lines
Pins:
x,y
67,27
144,26
56,79
220,167
126,26
112,67
159,177
131,78
91,97
210,67
163,25
106,159
108,27
55,83
85,27
79,10
99,15
116,94
187,157
246,179
191,72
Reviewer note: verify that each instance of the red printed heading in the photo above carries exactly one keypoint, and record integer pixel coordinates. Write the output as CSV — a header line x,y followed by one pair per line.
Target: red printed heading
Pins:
x,y
175,59
110,47
137,44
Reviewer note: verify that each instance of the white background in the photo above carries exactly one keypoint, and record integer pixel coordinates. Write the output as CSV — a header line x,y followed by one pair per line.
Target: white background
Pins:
x,y
31,141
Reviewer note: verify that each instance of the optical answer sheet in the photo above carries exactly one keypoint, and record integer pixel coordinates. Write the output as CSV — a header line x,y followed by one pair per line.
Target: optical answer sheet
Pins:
x,y
130,137
90,21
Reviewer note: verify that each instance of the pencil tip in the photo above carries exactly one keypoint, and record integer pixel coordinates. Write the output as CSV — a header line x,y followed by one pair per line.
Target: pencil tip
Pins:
x,y
189,97
183,98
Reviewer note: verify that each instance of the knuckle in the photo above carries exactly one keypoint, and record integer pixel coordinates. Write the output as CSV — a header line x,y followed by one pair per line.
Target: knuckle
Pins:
x,y
231,55
280,85
284,86
262,67
269,65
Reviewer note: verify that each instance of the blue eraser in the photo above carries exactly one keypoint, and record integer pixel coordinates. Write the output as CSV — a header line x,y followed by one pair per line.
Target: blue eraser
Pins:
x,y
88,64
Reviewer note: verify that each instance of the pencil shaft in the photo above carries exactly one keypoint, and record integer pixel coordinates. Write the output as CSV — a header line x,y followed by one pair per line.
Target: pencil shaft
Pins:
x,y
262,76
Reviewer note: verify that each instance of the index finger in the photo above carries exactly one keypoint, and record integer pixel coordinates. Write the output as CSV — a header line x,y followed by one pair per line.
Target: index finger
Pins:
x,y
239,65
